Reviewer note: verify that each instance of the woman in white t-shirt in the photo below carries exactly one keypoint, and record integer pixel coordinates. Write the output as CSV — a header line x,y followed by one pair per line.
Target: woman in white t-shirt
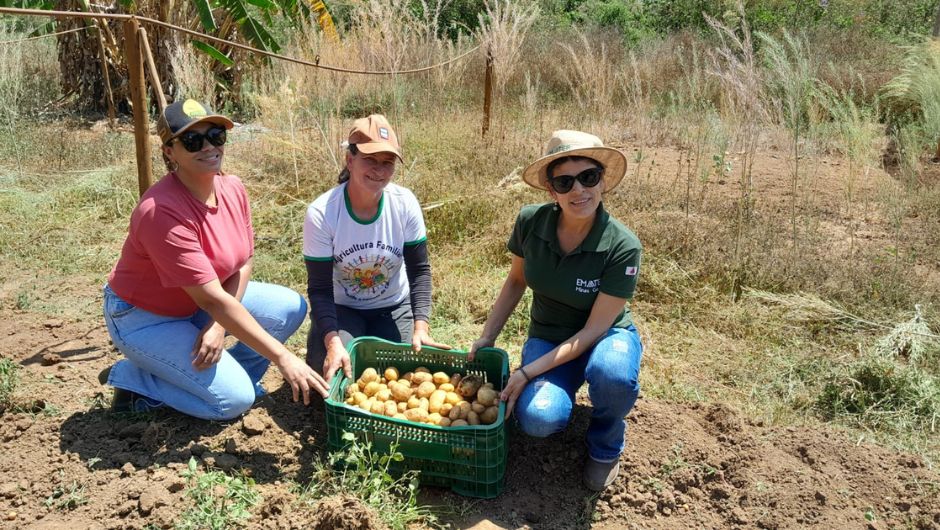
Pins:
x,y
365,248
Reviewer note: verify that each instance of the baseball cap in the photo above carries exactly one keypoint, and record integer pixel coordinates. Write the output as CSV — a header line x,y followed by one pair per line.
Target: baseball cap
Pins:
x,y
373,134
178,117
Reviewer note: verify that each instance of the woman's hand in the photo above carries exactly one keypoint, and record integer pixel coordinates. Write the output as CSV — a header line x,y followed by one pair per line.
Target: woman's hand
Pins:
x,y
481,342
208,347
336,357
514,387
422,336
301,378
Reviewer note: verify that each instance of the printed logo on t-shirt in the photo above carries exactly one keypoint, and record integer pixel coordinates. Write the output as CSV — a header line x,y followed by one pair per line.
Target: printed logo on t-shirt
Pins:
x,y
367,277
631,271
587,286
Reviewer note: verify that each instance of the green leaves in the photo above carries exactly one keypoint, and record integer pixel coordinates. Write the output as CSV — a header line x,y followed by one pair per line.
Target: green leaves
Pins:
x,y
213,52
205,15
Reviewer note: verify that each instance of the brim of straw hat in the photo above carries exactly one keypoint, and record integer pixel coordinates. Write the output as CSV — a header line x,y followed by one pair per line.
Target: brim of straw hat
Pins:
x,y
613,161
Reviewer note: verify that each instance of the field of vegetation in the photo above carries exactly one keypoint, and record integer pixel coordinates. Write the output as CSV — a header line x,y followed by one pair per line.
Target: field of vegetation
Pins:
x,y
783,178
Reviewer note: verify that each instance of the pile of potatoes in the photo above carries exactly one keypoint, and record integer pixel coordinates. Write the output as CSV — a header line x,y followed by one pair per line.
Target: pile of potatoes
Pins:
x,y
423,397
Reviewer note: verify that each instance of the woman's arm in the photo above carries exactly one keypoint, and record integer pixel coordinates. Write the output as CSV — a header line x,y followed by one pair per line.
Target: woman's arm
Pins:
x,y
509,296
232,315
418,270
603,312
207,350
323,314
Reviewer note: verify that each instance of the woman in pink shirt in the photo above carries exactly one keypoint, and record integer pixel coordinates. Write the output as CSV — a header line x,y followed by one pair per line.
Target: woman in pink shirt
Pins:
x,y
182,283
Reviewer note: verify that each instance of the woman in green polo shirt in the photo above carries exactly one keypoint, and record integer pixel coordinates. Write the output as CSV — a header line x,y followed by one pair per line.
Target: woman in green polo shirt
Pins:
x,y
582,267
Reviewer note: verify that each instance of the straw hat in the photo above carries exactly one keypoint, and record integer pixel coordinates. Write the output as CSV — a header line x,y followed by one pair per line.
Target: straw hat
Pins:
x,y
576,143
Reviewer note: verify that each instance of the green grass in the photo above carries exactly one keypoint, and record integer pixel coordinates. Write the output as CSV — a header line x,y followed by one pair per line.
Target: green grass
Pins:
x,y
9,379
219,500
364,474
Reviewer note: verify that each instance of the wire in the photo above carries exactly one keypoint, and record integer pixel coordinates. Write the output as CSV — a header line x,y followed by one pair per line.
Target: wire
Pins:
x,y
45,35
159,23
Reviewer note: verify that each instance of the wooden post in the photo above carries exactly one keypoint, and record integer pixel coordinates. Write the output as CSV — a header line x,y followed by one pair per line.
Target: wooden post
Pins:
x,y
104,71
152,68
487,90
138,88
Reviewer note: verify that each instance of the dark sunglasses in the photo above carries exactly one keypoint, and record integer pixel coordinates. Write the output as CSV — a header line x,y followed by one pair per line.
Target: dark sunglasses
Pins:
x,y
588,178
193,141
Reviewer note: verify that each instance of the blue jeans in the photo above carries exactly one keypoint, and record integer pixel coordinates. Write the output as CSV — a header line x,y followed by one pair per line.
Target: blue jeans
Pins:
x,y
158,351
611,369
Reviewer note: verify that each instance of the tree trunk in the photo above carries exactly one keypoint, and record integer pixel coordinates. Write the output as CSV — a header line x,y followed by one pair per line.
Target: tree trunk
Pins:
x,y
936,24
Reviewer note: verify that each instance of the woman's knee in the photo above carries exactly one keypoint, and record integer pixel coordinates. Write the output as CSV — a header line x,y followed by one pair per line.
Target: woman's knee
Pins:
x,y
278,309
234,402
544,413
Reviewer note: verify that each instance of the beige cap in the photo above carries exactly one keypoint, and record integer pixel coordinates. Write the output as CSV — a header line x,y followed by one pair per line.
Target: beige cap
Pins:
x,y
566,143
373,134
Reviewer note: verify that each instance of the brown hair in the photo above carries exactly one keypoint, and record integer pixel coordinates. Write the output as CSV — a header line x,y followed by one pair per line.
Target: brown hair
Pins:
x,y
344,174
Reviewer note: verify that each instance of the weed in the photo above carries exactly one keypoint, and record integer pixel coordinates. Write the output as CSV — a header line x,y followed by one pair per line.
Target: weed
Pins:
x,y
9,379
365,474
219,500
67,497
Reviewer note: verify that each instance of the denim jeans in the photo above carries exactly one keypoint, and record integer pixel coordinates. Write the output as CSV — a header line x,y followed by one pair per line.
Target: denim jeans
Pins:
x,y
158,353
394,323
611,369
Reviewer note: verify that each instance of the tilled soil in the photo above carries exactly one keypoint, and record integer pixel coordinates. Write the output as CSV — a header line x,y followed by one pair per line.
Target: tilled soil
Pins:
x,y
72,464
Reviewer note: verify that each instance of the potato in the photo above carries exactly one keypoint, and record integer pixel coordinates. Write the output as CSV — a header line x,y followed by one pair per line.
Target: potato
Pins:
x,y
446,387
406,382
350,401
366,405
440,378
445,422
434,418
453,398
414,402
477,407
426,389
378,407
445,409
418,415
391,408
490,415
391,373
406,377
422,369
424,403
459,411
359,397
436,400
369,375
352,389
383,381
487,396
473,418
383,394
371,388
455,379
488,385
400,392
469,385
421,377
400,416
458,423
402,406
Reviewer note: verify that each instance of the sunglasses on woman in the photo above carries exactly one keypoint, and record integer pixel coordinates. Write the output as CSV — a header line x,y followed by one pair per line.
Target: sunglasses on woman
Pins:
x,y
588,178
193,141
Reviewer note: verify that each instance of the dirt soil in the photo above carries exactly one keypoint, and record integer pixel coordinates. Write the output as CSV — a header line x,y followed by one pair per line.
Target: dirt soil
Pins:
x,y
66,462
687,465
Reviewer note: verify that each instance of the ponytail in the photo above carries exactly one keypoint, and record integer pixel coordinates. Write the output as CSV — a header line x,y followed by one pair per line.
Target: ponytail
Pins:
x,y
344,174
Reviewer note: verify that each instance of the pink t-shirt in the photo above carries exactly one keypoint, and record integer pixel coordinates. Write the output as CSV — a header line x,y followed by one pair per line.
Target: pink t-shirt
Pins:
x,y
177,241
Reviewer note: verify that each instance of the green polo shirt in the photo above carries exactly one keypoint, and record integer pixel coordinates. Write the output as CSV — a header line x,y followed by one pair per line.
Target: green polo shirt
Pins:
x,y
564,287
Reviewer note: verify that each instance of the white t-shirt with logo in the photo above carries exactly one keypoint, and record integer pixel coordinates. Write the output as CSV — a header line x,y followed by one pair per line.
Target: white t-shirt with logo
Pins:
x,y
367,254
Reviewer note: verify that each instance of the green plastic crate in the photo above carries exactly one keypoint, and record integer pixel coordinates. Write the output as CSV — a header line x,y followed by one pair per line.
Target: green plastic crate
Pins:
x,y
470,460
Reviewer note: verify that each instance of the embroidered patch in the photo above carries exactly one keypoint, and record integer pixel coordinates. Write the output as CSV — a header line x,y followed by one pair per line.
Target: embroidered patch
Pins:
x,y
631,271
383,132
